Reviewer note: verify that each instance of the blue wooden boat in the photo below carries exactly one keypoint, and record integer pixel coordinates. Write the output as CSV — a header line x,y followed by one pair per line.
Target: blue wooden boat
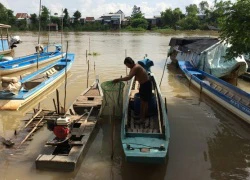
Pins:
x,y
33,84
232,98
8,66
140,143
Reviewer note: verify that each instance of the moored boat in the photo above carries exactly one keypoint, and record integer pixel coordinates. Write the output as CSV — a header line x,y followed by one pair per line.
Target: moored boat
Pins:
x,y
9,65
63,150
232,98
207,54
146,144
17,93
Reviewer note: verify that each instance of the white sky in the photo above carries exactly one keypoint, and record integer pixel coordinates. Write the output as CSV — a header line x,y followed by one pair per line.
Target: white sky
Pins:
x,y
97,8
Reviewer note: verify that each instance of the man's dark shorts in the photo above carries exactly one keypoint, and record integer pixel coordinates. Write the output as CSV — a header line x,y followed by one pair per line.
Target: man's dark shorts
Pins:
x,y
145,91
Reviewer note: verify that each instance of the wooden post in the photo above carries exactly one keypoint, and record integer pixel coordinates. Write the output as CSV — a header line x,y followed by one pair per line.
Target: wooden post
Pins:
x,y
55,105
65,84
88,75
163,70
112,132
58,103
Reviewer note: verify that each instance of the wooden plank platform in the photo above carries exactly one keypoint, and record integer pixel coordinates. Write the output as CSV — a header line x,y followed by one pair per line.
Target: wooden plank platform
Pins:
x,y
65,155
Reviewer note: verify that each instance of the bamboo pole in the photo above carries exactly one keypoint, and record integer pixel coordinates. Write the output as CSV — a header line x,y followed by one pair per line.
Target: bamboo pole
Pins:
x,y
65,86
163,70
58,101
112,132
38,112
55,105
31,132
88,75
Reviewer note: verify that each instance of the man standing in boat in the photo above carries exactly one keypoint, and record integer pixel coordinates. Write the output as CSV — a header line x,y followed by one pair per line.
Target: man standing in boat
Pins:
x,y
145,89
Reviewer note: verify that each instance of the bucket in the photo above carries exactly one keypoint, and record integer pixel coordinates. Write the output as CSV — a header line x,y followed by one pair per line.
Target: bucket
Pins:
x,y
152,105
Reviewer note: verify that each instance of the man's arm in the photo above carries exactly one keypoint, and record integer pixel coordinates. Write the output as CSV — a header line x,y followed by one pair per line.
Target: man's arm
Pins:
x,y
128,77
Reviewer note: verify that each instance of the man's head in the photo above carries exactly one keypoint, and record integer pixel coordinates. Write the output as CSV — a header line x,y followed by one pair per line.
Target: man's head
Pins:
x,y
129,62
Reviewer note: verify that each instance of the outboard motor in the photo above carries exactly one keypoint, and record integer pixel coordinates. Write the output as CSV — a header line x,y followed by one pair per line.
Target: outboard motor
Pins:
x,y
60,127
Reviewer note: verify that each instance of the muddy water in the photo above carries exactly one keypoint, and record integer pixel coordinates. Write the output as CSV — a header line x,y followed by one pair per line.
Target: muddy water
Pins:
x,y
207,142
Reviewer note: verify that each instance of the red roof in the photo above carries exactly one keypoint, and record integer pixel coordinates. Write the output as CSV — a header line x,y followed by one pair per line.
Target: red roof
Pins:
x,y
22,15
90,18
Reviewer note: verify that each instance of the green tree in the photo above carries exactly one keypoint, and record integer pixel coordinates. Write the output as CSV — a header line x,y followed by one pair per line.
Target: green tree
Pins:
x,y
44,18
217,12
77,15
192,9
66,22
137,18
171,17
235,28
204,6
6,15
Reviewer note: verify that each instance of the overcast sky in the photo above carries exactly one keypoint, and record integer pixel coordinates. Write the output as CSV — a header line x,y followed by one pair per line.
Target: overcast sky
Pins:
x,y
97,8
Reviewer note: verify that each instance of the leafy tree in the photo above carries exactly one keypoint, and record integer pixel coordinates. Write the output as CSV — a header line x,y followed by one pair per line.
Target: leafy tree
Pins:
x,y
6,15
66,18
44,18
190,22
218,11
136,12
235,28
77,15
170,17
204,6
192,9
137,18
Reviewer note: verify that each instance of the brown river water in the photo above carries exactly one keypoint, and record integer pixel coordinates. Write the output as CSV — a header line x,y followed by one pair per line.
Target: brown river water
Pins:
x,y
207,141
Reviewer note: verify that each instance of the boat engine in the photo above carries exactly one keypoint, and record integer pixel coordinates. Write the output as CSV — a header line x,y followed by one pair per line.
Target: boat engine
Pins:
x,y
60,127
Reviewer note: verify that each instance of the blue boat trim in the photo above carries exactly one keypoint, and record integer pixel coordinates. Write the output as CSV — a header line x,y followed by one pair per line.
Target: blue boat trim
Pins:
x,y
196,75
25,93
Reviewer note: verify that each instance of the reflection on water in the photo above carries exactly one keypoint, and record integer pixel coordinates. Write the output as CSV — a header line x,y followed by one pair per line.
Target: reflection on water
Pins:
x,y
204,143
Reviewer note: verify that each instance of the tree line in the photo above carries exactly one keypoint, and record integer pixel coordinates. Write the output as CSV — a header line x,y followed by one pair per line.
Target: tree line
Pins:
x,y
232,20
199,16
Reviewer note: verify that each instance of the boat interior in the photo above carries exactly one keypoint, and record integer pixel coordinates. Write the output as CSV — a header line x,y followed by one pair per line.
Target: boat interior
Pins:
x,y
35,81
154,122
90,98
225,90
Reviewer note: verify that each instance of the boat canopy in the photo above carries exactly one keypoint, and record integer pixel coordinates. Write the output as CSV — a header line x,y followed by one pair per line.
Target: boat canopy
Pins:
x,y
208,54
5,26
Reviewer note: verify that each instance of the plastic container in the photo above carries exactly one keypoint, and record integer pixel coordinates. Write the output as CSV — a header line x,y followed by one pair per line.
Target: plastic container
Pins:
x,y
152,105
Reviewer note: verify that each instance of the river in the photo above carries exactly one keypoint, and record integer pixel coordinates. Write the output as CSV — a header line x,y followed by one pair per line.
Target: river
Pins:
x,y
207,142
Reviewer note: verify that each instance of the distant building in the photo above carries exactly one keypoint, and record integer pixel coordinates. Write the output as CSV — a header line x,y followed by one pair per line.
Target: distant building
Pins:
x,y
52,27
23,16
158,20
113,19
89,19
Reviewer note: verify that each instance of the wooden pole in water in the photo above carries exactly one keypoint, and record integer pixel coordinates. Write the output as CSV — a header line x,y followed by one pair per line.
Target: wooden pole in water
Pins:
x,y
38,40
163,70
55,105
88,75
89,44
62,32
57,99
65,85
112,132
